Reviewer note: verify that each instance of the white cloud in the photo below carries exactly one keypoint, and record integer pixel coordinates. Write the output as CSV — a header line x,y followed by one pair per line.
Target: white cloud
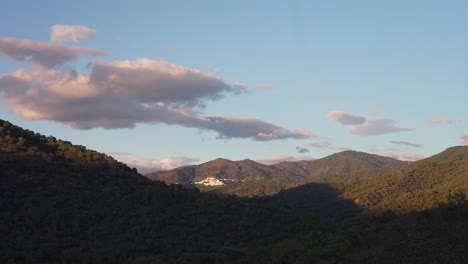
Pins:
x,y
121,94
62,33
146,165
449,121
280,158
45,54
346,118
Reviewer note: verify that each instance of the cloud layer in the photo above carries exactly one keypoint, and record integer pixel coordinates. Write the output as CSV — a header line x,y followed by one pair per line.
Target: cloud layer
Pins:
x,y
121,94
406,143
366,127
146,165
62,33
435,120
280,158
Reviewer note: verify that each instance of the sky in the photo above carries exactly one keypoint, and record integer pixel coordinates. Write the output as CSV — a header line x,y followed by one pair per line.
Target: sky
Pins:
x,y
162,84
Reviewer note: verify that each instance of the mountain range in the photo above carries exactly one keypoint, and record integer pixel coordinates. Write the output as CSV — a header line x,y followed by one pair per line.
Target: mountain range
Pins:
x,y
224,172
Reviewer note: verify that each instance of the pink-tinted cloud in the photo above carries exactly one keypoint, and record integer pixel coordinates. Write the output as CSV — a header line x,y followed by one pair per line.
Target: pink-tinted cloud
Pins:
x,y
449,121
45,54
121,94
265,87
62,33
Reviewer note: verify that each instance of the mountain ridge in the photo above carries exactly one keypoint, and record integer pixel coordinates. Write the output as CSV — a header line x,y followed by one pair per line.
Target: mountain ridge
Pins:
x,y
221,171
224,172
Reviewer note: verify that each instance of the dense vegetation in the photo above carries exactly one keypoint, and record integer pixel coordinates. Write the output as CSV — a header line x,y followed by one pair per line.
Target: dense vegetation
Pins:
x,y
62,203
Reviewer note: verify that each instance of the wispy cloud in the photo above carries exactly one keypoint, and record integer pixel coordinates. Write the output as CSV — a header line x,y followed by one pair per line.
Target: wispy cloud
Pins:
x,y
121,94
320,144
281,158
406,143
146,165
366,127
449,121
62,33
377,127
265,87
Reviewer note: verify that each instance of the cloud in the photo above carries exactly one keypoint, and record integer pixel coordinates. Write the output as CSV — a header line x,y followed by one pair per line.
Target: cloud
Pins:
x,y
62,33
121,94
366,127
320,144
146,165
244,127
406,143
449,121
412,157
463,140
45,54
280,158
346,118
302,150
265,87
377,127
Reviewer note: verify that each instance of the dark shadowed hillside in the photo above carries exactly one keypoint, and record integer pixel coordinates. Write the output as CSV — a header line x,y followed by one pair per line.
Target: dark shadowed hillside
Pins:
x,y
62,203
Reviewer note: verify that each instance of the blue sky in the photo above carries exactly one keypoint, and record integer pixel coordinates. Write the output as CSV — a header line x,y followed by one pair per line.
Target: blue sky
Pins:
x,y
264,80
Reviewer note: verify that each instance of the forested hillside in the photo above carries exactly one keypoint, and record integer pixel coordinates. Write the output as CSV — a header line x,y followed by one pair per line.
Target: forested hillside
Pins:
x,y
339,164
64,203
